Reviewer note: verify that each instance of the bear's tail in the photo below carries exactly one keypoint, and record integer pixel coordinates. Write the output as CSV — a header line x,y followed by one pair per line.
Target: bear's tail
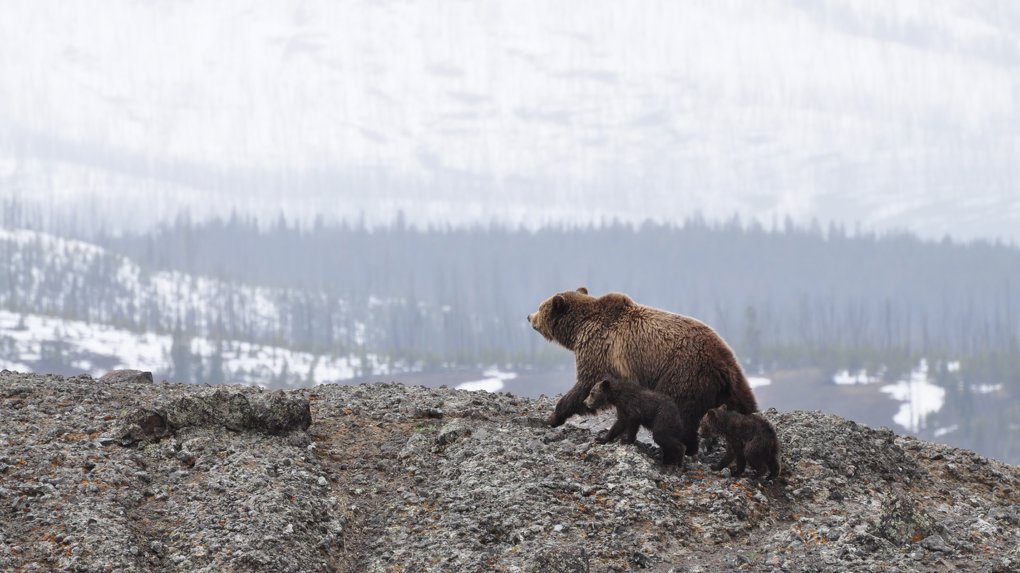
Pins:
x,y
736,392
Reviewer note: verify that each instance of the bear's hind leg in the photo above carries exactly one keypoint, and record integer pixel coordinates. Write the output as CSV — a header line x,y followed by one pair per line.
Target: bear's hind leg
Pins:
x,y
738,470
758,460
672,449
632,430
689,437
761,468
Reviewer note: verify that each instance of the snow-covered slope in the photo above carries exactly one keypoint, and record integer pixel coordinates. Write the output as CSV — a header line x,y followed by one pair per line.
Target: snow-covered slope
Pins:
x,y
902,114
30,343
64,276
72,306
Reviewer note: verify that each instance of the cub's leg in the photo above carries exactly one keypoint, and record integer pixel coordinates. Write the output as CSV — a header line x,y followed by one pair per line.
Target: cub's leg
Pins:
x,y
726,460
632,430
616,430
672,448
738,470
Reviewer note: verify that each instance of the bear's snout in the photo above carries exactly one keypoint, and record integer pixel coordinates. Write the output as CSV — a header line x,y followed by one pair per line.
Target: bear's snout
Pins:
x,y
531,320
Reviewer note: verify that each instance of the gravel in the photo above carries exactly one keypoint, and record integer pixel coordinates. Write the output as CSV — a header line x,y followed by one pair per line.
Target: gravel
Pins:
x,y
122,474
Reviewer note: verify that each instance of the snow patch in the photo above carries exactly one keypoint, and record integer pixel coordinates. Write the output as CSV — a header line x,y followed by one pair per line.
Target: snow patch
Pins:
x,y
758,381
846,378
494,381
14,366
919,396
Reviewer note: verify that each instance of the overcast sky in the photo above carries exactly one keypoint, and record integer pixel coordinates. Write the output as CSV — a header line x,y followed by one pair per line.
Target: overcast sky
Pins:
x,y
886,114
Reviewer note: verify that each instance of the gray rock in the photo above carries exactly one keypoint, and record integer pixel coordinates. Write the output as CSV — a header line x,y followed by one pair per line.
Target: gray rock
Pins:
x,y
127,376
904,521
143,425
453,431
212,484
269,413
563,561
935,543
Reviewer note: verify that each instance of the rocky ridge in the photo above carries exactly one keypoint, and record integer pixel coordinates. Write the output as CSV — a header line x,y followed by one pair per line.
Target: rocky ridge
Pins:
x,y
123,474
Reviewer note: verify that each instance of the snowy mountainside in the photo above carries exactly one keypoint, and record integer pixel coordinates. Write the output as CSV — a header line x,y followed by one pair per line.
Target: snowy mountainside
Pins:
x,y
71,306
48,274
891,115
36,343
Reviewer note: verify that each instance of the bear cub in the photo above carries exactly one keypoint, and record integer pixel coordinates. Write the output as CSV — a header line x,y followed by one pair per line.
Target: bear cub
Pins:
x,y
638,406
750,439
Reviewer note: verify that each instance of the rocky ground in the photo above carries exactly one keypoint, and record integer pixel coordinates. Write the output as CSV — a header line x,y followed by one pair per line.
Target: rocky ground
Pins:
x,y
123,474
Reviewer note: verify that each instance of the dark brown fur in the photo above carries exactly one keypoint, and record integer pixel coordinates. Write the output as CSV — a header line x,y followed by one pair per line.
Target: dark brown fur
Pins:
x,y
635,407
614,337
750,439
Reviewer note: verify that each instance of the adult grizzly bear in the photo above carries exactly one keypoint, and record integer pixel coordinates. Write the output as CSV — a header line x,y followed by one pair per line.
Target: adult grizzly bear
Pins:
x,y
613,337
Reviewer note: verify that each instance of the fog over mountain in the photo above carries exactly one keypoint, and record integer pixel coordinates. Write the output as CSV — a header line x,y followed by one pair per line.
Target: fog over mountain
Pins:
x,y
888,115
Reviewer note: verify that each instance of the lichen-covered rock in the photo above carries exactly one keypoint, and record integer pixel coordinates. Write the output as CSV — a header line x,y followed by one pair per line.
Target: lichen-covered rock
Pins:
x,y
558,561
389,478
212,407
142,425
233,409
192,497
269,413
127,376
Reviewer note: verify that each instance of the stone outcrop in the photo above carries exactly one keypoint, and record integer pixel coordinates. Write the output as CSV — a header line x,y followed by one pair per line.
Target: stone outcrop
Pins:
x,y
129,475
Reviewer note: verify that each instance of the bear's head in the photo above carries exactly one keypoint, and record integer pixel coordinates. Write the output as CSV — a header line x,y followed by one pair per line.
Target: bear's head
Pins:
x,y
711,422
557,318
600,397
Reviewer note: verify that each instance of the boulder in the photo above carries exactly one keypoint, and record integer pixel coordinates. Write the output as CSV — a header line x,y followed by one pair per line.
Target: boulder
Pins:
x,y
127,376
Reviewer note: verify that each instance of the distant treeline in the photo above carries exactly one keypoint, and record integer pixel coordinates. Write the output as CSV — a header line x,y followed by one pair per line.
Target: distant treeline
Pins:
x,y
784,297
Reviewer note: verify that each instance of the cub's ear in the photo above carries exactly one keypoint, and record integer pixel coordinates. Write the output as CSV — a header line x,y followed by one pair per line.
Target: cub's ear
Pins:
x,y
582,290
603,385
559,304
723,408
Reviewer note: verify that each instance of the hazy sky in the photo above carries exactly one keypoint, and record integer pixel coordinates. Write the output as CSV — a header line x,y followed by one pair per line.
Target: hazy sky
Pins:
x,y
888,114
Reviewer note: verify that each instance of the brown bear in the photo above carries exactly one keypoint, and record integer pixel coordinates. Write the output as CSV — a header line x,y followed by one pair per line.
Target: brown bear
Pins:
x,y
638,406
613,337
750,439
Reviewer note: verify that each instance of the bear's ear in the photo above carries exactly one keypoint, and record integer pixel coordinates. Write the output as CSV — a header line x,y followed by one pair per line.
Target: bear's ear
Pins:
x,y
559,304
604,385
723,408
582,290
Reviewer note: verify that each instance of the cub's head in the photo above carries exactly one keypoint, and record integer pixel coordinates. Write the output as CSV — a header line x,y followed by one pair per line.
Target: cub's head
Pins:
x,y
553,317
600,397
711,422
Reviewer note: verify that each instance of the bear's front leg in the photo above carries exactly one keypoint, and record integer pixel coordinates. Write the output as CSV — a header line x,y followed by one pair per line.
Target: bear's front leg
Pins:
x,y
725,461
573,401
613,432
